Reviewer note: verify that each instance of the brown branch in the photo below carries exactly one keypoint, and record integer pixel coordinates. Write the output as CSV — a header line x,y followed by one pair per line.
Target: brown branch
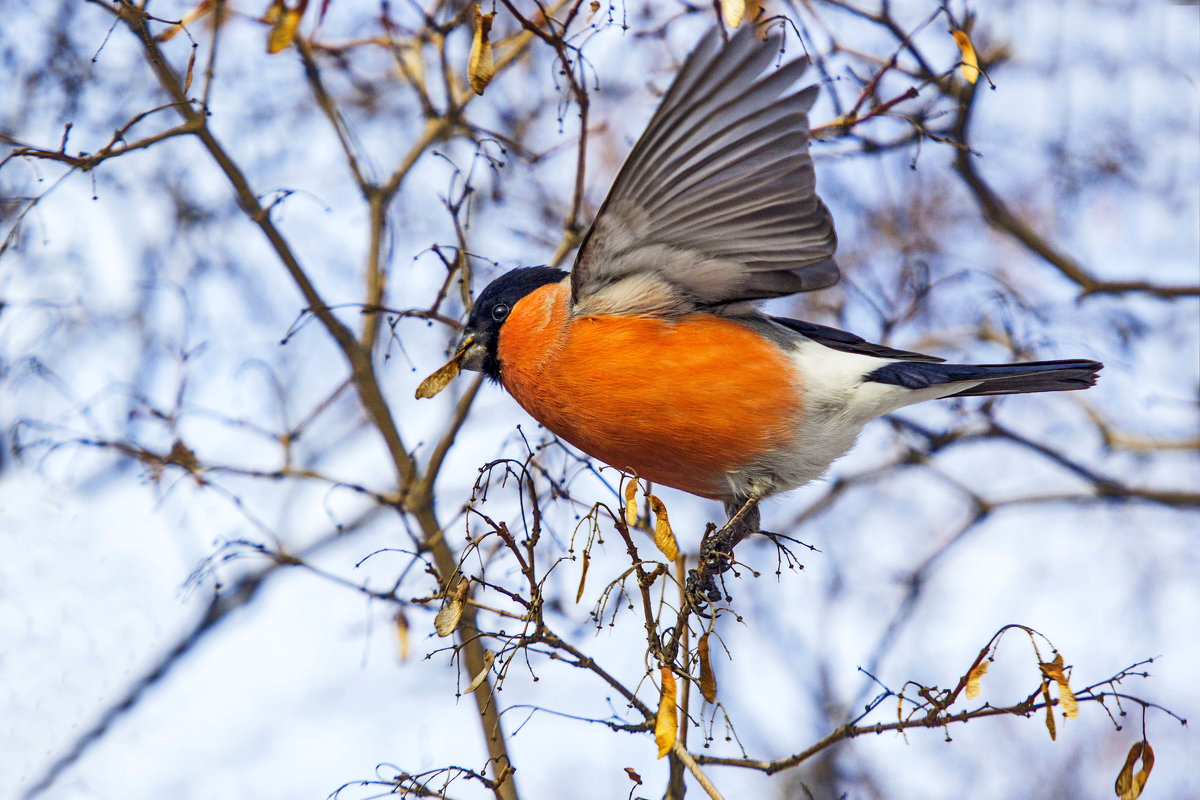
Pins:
x,y
312,74
579,92
420,502
997,214
842,125
116,147
461,409
584,661
680,751
852,731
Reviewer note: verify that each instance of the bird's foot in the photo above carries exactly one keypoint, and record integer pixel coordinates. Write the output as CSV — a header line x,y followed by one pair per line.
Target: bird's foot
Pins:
x,y
716,554
702,590
702,586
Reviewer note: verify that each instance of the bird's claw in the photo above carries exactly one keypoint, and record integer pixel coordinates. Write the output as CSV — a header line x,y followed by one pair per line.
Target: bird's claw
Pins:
x,y
702,590
716,557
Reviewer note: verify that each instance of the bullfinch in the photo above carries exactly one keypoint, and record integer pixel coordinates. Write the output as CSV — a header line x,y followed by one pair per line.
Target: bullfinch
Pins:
x,y
651,356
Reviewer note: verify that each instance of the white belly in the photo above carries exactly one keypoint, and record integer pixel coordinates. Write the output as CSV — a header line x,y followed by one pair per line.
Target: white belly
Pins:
x,y
838,403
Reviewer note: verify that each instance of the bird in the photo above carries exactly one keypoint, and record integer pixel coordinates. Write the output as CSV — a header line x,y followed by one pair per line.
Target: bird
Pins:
x,y
651,354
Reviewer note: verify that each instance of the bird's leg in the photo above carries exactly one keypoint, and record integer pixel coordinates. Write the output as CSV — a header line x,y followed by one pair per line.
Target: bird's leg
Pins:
x,y
716,549
743,521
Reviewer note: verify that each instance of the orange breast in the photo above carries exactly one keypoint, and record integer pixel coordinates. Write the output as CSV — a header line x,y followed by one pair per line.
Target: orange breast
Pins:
x,y
681,402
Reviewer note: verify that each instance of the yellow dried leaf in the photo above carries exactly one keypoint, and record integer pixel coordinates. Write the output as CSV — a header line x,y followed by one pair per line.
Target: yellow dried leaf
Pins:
x,y
489,658
284,30
708,681
402,634
970,62
631,489
587,560
480,67
440,379
1129,786
664,537
447,618
633,776
191,71
1055,670
1049,711
1066,699
273,12
974,676
734,11
446,621
433,385
666,724
200,10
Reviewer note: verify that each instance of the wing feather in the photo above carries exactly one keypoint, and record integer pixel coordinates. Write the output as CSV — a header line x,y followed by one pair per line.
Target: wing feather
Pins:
x,y
717,202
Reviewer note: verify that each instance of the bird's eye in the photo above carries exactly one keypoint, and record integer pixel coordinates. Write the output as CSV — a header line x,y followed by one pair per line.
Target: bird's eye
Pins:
x,y
499,311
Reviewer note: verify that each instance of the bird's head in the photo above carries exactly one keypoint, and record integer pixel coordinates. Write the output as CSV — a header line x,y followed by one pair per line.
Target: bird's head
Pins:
x,y
477,349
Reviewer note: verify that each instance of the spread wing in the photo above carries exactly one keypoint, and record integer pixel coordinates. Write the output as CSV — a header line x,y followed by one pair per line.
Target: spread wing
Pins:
x,y
717,202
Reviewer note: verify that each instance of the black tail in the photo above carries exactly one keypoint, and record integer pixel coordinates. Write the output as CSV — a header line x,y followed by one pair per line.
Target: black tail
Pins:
x,y
1035,376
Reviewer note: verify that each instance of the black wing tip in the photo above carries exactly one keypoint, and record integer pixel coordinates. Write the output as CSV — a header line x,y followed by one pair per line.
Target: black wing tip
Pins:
x,y
837,339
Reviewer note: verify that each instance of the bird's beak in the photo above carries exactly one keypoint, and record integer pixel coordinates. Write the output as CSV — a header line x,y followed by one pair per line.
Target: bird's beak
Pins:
x,y
473,352
470,355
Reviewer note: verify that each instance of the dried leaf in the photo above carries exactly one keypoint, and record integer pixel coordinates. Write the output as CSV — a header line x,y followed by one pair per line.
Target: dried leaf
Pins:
x,y
183,456
283,31
664,537
273,12
440,379
631,489
480,67
489,658
433,385
633,776
734,11
200,10
1066,699
666,724
708,682
191,71
974,676
446,621
402,633
970,62
1055,671
447,618
587,560
1049,711
1128,785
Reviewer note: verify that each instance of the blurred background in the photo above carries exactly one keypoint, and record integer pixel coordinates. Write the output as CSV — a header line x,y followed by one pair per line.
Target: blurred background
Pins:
x,y
220,545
